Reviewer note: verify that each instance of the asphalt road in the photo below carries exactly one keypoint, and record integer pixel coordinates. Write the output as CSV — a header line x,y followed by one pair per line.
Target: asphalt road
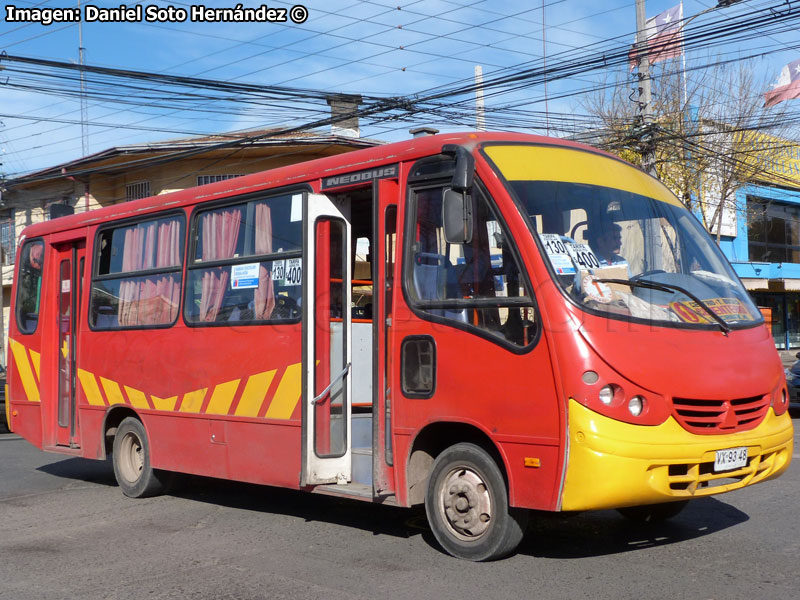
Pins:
x,y
66,531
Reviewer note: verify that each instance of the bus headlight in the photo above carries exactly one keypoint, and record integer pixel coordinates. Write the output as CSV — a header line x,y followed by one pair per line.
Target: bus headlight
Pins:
x,y
780,399
636,405
606,395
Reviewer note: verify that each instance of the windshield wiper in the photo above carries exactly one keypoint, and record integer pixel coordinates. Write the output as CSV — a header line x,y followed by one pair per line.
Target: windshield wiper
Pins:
x,y
671,287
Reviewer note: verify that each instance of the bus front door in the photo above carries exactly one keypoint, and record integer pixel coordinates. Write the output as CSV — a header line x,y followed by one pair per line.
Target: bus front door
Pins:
x,y
327,375
71,259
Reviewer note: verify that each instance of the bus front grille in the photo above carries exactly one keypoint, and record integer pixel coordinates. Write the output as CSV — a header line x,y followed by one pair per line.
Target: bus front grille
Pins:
x,y
700,479
720,416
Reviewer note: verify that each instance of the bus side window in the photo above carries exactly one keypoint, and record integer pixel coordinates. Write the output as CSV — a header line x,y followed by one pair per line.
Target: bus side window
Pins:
x,y
29,288
464,276
246,265
137,274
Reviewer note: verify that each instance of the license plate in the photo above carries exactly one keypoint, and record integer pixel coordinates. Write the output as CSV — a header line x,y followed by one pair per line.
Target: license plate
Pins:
x,y
731,458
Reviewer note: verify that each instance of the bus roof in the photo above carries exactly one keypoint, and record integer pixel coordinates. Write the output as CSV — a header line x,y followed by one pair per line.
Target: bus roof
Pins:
x,y
292,174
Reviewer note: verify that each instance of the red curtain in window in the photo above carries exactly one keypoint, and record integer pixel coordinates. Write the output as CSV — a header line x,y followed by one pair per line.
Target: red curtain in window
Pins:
x,y
265,293
151,300
133,258
220,230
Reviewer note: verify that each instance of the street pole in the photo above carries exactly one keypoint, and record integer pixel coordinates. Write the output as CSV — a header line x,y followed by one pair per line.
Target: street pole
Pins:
x,y
645,93
480,112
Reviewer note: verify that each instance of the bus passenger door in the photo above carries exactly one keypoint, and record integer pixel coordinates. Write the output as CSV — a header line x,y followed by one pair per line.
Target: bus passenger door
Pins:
x,y
327,380
71,259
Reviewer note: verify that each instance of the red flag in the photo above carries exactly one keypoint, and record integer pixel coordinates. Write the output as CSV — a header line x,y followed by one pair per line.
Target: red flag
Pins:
x,y
788,86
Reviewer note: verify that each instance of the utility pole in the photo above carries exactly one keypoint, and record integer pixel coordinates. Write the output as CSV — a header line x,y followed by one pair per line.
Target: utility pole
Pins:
x,y
645,94
84,107
480,113
544,67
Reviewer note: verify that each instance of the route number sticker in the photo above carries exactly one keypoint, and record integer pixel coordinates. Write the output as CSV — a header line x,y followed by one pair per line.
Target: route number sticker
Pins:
x,y
557,253
294,271
583,256
278,270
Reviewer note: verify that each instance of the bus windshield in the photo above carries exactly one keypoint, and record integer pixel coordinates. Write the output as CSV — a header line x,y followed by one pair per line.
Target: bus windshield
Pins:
x,y
619,243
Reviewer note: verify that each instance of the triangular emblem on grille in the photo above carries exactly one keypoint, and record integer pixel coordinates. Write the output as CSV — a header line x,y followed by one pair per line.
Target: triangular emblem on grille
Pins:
x,y
728,419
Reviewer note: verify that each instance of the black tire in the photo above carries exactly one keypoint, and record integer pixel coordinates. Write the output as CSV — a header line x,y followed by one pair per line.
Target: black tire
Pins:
x,y
131,458
653,513
467,505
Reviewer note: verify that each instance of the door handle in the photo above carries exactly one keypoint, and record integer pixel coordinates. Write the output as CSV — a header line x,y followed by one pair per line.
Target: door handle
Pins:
x,y
341,375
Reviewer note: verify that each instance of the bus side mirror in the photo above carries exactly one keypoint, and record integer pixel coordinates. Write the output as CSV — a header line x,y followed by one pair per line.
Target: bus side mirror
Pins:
x,y
457,216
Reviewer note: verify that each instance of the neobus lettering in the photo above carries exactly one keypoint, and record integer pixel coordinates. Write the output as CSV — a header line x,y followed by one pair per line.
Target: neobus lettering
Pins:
x,y
43,16
363,176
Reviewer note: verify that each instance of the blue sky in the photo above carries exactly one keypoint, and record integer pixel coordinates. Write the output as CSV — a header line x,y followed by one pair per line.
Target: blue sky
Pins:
x,y
365,47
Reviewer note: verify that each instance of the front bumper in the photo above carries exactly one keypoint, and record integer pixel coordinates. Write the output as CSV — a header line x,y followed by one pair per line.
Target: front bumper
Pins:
x,y
613,464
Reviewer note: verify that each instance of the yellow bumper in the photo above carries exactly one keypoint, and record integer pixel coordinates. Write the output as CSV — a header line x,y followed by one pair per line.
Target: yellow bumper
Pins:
x,y
614,464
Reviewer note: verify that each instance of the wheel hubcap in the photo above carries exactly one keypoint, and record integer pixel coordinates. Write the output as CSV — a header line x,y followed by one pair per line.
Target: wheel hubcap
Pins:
x,y
465,503
131,457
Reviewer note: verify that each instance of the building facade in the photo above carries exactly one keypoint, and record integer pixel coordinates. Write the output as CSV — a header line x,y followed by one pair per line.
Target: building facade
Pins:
x,y
764,247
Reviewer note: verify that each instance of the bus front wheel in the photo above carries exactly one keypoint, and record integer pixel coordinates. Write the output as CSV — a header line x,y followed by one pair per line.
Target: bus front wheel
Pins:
x,y
467,505
131,458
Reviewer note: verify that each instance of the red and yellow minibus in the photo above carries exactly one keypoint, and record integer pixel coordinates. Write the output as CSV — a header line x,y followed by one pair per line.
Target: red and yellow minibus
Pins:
x,y
481,323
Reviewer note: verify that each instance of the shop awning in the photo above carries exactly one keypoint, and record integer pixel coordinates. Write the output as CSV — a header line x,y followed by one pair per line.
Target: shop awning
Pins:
x,y
755,285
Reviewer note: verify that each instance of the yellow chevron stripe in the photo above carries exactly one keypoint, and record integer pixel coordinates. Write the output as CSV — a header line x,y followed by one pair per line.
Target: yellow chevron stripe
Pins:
x,y
254,393
164,403
287,395
137,398
193,401
36,359
25,372
113,393
90,388
222,398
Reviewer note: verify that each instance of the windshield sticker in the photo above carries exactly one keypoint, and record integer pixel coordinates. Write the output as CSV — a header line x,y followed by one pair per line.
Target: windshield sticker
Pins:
x,y
296,214
596,290
583,256
557,254
294,272
244,276
729,309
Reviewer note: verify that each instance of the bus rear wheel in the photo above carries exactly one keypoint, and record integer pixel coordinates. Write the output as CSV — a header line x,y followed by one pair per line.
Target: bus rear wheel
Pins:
x,y
467,505
131,458
653,513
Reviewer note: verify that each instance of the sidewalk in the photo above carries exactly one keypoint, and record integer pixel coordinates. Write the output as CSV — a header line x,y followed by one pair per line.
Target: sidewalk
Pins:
x,y
788,357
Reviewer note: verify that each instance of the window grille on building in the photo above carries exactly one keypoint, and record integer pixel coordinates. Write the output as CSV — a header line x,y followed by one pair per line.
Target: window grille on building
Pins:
x,y
8,239
205,179
139,189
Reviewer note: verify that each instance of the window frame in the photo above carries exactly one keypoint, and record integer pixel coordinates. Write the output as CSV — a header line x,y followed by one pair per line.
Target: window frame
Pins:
x,y
17,281
191,264
95,276
442,179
